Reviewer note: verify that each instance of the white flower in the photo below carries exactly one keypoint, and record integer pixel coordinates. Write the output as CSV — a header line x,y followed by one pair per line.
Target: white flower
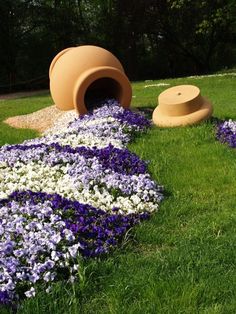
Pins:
x,y
135,199
30,293
74,250
48,290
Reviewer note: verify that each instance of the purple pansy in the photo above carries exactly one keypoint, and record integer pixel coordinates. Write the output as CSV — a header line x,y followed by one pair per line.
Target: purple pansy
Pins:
x,y
35,242
118,160
44,228
226,132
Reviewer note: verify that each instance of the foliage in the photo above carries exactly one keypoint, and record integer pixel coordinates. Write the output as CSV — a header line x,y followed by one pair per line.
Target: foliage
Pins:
x,y
151,38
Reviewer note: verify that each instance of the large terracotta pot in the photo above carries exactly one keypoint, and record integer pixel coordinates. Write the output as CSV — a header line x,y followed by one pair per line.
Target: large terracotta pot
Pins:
x,y
81,75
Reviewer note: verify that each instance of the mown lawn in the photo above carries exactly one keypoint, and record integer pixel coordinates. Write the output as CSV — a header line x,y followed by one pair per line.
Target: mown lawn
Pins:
x,y
183,259
14,107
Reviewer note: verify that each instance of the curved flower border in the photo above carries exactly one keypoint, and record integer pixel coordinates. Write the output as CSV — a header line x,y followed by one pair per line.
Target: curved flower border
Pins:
x,y
73,192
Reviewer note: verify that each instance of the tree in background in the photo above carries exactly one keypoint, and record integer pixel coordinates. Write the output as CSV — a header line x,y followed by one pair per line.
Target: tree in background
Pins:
x,y
31,33
196,31
152,38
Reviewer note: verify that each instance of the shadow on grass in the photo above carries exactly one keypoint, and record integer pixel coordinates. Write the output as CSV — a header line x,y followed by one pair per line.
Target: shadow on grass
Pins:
x,y
147,111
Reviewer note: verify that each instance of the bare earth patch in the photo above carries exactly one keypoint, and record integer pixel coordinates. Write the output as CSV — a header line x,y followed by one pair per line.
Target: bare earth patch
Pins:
x,y
40,120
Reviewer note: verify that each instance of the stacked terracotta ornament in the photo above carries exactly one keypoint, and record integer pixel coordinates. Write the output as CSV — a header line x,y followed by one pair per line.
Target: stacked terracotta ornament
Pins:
x,y
181,105
80,76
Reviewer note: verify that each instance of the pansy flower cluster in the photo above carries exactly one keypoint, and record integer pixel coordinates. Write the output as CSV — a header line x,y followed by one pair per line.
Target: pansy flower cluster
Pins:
x,y
226,132
72,193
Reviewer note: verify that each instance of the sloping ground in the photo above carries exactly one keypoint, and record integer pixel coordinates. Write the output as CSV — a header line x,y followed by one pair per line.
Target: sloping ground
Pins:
x,y
183,259
71,193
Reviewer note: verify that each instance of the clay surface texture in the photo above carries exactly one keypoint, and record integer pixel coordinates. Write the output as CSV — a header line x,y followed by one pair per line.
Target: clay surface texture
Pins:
x,y
81,77
181,105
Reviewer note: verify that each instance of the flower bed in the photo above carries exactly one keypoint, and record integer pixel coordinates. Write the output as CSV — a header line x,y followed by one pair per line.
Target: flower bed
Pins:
x,y
226,132
74,192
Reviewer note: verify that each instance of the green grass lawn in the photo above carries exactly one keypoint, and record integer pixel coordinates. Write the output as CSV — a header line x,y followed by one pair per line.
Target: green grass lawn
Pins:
x,y
183,259
14,107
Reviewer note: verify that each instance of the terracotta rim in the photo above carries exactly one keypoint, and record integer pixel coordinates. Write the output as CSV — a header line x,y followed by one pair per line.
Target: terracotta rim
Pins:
x,y
90,76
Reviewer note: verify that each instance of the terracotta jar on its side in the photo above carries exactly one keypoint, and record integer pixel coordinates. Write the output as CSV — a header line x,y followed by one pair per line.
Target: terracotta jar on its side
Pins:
x,y
80,76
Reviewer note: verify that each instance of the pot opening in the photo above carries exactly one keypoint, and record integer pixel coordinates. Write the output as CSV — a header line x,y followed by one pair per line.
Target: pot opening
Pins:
x,y
100,90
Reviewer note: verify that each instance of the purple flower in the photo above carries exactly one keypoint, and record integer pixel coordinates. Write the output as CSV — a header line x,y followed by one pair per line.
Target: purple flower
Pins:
x,y
132,118
226,132
43,234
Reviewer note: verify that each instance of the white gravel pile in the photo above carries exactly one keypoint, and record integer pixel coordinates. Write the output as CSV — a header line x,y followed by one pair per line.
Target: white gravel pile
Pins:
x,y
61,122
